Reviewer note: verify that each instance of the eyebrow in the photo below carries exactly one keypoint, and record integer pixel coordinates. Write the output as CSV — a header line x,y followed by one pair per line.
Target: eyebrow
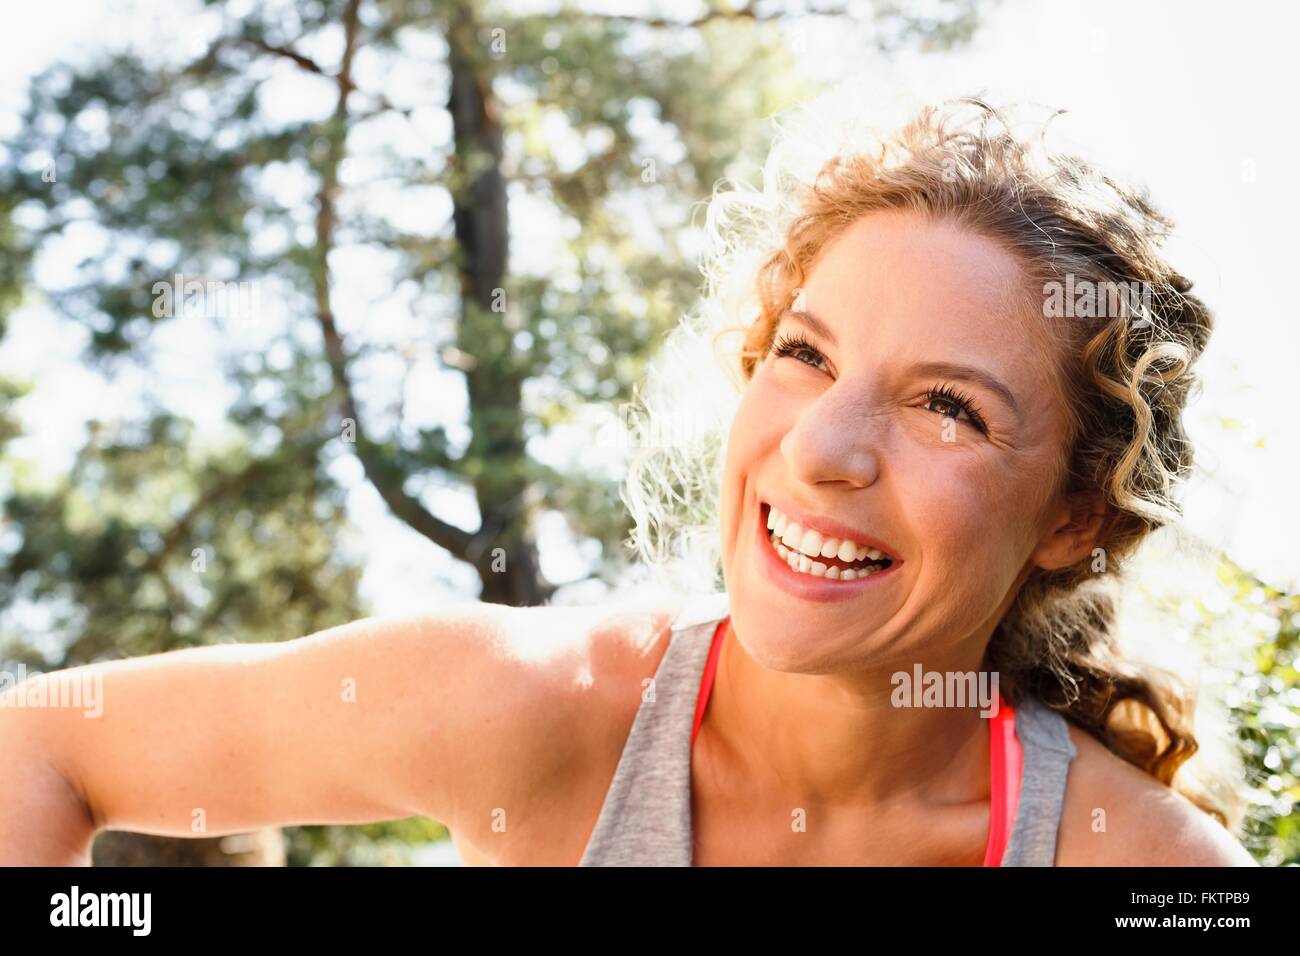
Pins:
x,y
804,317
965,373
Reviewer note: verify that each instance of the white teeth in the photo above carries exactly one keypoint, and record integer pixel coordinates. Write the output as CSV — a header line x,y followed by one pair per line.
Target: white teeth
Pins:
x,y
802,563
814,543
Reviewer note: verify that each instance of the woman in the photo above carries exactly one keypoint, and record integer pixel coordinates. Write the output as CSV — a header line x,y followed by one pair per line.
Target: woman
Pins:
x,y
942,453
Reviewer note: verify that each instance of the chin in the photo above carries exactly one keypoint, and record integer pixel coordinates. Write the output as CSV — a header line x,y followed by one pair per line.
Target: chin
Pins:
x,y
789,651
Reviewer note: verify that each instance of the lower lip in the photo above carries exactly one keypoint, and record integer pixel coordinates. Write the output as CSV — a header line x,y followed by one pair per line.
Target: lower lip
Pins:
x,y
805,586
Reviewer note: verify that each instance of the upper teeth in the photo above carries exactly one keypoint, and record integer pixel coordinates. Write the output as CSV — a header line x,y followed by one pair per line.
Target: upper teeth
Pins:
x,y
815,544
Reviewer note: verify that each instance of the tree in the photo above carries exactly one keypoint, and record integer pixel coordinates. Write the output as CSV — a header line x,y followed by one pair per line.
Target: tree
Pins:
x,y
260,183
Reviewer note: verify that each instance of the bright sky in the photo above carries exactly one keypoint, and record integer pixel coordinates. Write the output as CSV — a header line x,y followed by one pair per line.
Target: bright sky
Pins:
x,y
1192,98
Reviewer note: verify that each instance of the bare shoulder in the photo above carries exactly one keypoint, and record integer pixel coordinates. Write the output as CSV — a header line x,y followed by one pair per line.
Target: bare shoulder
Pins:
x,y
1114,814
560,688
584,661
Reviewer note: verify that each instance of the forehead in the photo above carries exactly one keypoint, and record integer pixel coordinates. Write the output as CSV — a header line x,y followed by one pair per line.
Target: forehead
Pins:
x,y
914,287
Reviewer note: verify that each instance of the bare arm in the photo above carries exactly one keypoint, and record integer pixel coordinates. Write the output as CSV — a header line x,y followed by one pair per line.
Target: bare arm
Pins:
x,y
374,720
44,820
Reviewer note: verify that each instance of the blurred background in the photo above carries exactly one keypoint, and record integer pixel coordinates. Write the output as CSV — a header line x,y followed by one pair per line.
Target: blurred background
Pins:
x,y
321,309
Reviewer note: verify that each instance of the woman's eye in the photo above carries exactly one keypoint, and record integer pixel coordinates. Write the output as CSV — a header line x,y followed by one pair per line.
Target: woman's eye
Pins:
x,y
800,351
947,407
955,406
807,356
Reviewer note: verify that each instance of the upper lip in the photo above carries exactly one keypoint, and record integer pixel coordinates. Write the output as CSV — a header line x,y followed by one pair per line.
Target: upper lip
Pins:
x,y
829,527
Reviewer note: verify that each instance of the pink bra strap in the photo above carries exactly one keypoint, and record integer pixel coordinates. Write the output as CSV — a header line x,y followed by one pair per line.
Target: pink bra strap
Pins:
x,y
1004,757
706,685
1004,780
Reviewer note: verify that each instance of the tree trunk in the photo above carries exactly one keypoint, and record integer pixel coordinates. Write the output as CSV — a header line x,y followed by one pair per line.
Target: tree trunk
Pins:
x,y
503,551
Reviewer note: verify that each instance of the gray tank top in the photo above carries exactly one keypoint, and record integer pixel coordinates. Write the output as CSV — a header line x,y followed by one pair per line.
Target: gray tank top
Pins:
x,y
646,816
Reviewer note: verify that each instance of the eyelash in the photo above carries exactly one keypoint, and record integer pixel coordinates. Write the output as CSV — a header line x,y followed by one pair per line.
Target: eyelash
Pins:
x,y
791,345
946,393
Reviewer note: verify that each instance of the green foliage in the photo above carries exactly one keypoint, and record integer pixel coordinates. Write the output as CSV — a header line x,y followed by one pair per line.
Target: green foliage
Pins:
x,y
1265,703
147,546
373,844
269,159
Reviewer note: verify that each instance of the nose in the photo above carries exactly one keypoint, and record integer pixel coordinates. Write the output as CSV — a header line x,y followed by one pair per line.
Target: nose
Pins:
x,y
834,439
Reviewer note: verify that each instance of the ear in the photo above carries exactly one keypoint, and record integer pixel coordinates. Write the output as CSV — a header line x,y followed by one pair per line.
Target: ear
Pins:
x,y
1072,532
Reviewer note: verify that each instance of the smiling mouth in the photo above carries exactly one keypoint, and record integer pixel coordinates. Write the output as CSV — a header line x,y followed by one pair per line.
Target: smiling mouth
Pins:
x,y
809,552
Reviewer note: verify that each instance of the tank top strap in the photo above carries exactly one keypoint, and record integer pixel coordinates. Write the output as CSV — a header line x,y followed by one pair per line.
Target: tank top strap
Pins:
x,y
1046,754
1005,758
646,816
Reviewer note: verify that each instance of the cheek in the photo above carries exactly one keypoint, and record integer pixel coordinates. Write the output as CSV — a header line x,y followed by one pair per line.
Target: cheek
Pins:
x,y
757,427
973,517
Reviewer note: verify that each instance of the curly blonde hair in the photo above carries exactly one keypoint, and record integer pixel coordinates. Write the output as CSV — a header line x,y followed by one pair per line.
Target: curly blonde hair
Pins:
x,y
1128,378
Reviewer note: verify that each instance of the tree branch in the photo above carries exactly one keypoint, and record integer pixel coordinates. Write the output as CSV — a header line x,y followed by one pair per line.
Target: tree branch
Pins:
x,y
210,55
222,487
306,62
385,481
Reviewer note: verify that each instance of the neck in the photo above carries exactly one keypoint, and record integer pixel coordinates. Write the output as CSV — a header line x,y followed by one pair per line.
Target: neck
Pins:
x,y
842,739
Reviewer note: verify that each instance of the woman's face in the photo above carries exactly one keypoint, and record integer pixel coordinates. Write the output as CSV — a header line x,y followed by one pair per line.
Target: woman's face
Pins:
x,y
844,434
